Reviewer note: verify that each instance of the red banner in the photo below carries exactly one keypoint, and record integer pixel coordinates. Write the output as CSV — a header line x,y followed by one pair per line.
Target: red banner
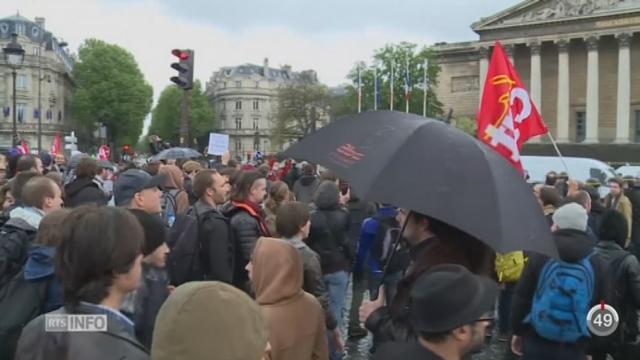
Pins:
x,y
507,116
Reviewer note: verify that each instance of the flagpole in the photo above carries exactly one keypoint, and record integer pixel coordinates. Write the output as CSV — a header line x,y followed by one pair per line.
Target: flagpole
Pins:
x,y
375,87
391,86
555,146
359,90
426,88
406,85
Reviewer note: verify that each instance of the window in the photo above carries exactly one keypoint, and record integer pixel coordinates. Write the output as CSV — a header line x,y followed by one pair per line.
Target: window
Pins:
x,y
238,145
238,105
224,105
266,145
256,123
256,104
256,144
36,51
22,113
22,82
637,135
238,84
580,126
257,84
224,84
238,123
21,29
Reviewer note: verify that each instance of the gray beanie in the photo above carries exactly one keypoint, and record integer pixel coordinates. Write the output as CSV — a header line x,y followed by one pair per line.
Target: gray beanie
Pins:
x,y
571,216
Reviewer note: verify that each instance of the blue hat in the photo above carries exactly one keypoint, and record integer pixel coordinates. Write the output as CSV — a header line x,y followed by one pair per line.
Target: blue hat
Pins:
x,y
131,182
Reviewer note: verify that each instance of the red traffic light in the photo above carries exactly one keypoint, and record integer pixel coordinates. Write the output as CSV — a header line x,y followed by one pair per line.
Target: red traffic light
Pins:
x,y
183,55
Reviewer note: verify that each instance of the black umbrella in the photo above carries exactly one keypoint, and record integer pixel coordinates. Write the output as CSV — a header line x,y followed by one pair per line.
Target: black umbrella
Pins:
x,y
430,167
176,153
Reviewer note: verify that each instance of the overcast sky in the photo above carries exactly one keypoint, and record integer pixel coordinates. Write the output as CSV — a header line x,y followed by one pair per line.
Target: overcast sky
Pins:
x,y
326,35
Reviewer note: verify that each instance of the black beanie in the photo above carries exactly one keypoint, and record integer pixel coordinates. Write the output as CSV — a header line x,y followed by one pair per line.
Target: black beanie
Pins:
x,y
614,227
155,233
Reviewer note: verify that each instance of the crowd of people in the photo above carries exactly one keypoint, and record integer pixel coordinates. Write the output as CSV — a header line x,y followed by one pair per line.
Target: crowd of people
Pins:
x,y
255,261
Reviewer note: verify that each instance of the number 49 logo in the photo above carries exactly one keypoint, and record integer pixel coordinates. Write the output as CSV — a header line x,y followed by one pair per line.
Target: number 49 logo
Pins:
x,y
603,320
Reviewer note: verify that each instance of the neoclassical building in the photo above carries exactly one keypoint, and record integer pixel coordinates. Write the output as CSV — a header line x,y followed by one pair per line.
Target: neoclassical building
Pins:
x,y
45,75
580,59
245,101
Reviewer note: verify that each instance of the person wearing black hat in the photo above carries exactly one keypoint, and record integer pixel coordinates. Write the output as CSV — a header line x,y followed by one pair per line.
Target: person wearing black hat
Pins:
x,y
451,310
136,189
154,287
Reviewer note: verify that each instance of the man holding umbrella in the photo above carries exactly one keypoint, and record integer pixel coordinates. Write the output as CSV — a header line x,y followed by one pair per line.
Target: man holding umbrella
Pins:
x,y
432,243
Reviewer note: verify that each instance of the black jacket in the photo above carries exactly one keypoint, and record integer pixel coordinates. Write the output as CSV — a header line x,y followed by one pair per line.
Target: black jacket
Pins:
x,y
118,342
217,237
624,275
313,283
15,238
246,232
83,191
573,246
406,351
305,187
595,216
150,296
329,227
359,210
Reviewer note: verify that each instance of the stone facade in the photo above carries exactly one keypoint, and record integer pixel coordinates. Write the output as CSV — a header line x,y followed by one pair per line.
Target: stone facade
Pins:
x,y
245,101
45,75
580,60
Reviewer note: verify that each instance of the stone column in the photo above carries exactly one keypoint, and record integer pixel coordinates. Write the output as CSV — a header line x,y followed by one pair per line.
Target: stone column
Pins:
x,y
562,113
536,80
624,89
484,67
593,85
509,49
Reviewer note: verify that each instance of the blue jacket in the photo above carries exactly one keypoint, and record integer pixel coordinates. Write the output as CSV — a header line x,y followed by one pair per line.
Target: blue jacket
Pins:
x,y
39,267
367,236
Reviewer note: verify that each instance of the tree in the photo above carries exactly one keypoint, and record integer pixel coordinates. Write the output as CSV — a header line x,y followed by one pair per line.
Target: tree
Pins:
x,y
165,118
110,89
466,124
400,55
302,104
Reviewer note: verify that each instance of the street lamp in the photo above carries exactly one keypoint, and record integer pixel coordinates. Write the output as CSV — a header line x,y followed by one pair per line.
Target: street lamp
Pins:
x,y
14,57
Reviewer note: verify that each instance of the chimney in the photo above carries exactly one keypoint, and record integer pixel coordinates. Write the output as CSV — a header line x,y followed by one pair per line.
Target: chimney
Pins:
x,y
40,22
265,67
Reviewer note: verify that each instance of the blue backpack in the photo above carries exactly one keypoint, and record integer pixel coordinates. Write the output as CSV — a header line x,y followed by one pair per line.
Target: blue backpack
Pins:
x,y
563,300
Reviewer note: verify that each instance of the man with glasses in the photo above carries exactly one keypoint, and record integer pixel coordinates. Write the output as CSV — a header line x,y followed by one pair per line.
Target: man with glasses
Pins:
x,y
451,310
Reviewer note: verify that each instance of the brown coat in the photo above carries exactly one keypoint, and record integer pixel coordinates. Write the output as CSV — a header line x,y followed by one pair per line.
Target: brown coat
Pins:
x,y
174,179
623,205
296,319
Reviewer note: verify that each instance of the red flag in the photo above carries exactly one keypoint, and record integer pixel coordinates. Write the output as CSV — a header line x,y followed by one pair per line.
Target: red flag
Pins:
x,y
56,148
24,147
507,117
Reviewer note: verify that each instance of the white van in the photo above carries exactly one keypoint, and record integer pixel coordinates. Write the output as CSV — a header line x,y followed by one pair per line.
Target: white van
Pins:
x,y
580,169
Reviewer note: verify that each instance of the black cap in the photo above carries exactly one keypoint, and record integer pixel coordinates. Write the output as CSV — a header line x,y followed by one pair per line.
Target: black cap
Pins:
x,y
449,296
131,182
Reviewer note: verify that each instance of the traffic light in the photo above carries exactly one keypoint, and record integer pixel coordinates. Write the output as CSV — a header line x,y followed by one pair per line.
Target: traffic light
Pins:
x,y
184,67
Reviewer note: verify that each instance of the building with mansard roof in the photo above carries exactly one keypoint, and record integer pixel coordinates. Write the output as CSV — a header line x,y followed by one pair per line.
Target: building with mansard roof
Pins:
x,y
580,59
43,82
245,99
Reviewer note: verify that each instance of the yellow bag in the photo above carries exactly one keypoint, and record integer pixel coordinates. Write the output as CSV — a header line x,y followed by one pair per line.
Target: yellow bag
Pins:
x,y
509,266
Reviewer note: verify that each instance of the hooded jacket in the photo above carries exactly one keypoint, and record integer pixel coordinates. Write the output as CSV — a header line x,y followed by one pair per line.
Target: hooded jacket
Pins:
x,y
573,246
174,180
217,240
296,319
209,320
84,191
329,227
39,267
16,235
304,188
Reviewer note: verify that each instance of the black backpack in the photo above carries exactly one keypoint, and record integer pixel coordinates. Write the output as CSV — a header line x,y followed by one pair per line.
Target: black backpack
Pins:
x,y
14,249
185,260
388,231
20,302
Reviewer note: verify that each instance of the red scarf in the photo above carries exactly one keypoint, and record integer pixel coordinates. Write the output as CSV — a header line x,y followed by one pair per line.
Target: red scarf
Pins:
x,y
256,212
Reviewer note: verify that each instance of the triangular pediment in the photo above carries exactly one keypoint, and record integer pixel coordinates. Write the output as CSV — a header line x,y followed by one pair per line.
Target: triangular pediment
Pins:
x,y
543,11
